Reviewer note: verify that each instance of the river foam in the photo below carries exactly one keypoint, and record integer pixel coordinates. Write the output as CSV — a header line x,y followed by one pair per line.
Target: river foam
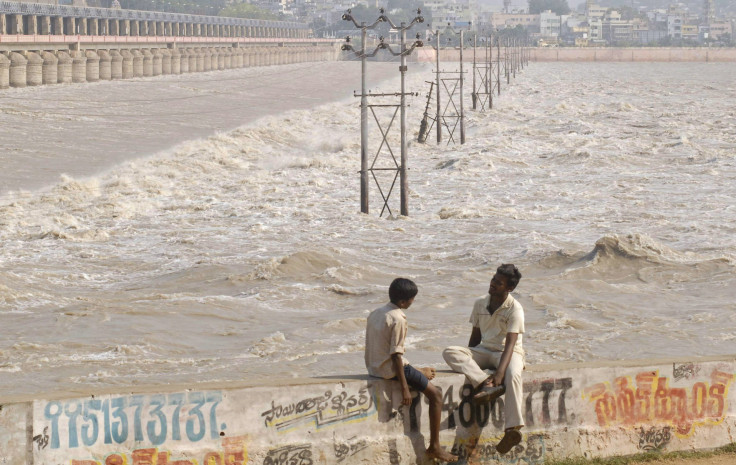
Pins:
x,y
244,255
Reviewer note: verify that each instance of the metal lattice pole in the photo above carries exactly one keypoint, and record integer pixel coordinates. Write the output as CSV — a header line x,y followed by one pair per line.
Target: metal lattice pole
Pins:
x,y
473,95
498,64
404,180
489,79
437,85
462,111
507,60
364,161
364,180
440,117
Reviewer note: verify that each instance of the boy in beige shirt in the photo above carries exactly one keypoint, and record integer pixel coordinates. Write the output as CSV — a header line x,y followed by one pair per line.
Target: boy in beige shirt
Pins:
x,y
495,343
385,335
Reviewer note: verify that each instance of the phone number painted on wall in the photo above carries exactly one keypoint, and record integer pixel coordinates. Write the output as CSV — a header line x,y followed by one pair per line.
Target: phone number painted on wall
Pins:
x,y
155,419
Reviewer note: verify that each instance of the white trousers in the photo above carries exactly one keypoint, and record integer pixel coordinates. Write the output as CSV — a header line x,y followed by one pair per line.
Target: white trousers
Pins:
x,y
472,361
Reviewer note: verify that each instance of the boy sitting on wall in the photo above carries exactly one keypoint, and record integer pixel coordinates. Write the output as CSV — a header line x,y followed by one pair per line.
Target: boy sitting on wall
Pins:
x,y
384,348
495,343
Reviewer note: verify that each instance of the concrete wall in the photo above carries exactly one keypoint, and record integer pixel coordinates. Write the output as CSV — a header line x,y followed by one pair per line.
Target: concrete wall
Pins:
x,y
639,54
578,410
26,67
655,54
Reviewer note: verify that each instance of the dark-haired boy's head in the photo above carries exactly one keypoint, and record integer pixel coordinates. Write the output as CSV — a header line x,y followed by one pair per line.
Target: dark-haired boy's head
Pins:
x,y
511,273
402,289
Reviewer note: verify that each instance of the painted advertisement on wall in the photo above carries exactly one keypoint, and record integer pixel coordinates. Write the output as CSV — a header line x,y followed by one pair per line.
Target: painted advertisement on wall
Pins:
x,y
190,428
644,408
662,404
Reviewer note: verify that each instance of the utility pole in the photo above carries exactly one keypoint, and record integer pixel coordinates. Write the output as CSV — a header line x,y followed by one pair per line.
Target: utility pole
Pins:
x,y
498,63
462,78
507,60
404,181
472,95
365,168
439,119
364,191
437,85
489,75
483,75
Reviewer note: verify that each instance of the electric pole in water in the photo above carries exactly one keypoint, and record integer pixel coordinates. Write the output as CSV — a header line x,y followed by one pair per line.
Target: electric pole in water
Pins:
x,y
441,117
365,169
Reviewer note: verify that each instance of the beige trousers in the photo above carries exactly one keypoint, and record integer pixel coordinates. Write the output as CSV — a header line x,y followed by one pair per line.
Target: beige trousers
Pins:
x,y
472,361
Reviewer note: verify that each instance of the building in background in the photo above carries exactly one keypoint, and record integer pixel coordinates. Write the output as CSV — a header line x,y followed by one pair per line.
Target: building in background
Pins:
x,y
453,13
575,31
498,20
550,25
710,23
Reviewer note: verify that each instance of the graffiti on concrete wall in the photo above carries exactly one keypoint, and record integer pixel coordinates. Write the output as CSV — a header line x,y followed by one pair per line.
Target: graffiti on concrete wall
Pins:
x,y
684,371
321,411
394,458
547,413
648,398
654,438
529,452
293,454
349,448
42,440
156,418
460,409
233,453
545,409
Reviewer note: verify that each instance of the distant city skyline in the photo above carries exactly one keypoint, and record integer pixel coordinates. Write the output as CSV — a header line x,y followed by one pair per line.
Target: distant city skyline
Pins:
x,y
524,4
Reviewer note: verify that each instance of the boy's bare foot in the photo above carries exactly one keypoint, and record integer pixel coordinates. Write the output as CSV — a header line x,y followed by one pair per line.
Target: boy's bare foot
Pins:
x,y
438,453
429,372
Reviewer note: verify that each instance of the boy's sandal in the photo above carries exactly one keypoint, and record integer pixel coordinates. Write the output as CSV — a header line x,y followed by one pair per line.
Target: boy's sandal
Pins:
x,y
511,438
487,393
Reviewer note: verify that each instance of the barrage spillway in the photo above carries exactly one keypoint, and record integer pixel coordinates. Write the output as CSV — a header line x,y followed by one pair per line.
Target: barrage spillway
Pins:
x,y
54,44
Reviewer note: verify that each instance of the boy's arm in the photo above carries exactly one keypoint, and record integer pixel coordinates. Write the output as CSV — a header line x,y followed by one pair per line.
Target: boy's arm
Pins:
x,y
398,364
508,351
475,337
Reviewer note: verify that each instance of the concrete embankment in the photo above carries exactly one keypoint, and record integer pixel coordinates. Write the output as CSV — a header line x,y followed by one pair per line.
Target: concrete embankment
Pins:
x,y
653,54
577,410
608,54
34,66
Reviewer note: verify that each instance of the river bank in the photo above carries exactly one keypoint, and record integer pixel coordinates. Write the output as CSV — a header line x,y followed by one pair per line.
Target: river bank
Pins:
x,y
595,54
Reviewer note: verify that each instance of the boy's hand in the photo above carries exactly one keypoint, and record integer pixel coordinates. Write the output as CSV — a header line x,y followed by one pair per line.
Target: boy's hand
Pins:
x,y
406,396
497,379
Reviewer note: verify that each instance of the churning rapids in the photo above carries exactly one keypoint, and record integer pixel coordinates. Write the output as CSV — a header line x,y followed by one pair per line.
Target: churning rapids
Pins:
x,y
244,256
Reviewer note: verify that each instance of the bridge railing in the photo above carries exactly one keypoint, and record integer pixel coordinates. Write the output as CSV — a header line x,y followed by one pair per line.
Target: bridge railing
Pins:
x,y
87,39
42,9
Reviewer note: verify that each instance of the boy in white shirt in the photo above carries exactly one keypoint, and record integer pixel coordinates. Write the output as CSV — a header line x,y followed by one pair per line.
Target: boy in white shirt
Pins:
x,y
495,343
385,335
